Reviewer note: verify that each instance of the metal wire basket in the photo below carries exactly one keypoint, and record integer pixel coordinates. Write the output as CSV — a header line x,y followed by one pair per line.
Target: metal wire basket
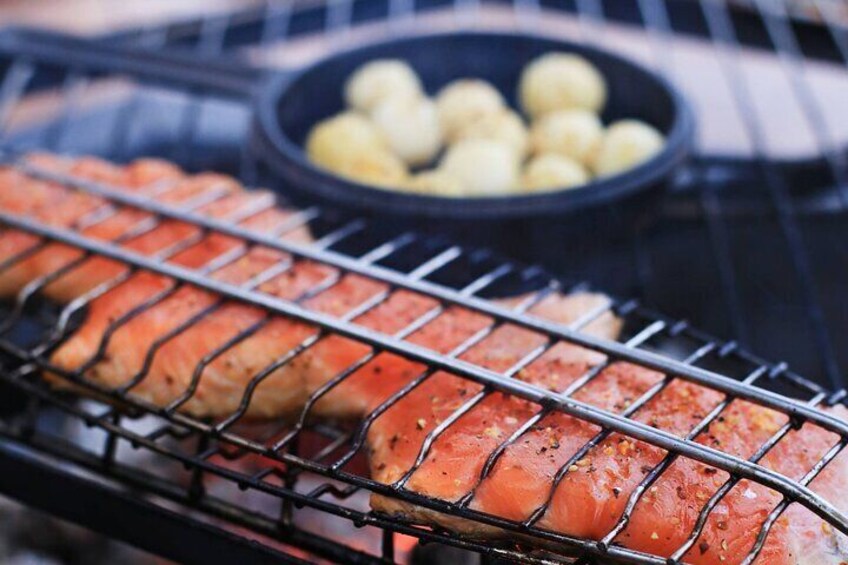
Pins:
x,y
299,478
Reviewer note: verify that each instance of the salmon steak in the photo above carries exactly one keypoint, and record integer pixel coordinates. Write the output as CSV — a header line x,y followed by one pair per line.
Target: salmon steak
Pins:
x,y
185,348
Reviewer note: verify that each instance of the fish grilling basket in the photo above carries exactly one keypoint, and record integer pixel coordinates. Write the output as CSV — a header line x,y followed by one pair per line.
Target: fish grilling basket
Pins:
x,y
195,486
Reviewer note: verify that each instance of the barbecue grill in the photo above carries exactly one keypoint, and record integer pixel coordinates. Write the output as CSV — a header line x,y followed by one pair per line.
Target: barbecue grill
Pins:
x,y
765,228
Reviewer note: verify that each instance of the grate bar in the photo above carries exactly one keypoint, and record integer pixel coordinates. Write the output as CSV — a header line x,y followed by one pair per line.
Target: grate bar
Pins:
x,y
72,89
275,23
22,255
401,10
14,84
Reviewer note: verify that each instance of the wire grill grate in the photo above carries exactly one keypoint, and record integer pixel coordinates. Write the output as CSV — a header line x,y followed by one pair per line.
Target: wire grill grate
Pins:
x,y
213,449
34,359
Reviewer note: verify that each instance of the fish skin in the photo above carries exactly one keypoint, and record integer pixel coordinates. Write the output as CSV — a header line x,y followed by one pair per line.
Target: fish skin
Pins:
x,y
588,501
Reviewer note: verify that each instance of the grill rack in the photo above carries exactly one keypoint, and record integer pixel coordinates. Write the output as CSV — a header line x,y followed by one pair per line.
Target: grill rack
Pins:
x,y
73,83
802,198
33,359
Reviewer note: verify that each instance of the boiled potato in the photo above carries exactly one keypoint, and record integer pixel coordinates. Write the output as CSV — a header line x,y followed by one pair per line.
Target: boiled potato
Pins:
x,y
377,168
550,171
341,134
575,134
378,80
436,182
626,144
505,125
463,102
392,126
351,146
561,81
411,128
483,166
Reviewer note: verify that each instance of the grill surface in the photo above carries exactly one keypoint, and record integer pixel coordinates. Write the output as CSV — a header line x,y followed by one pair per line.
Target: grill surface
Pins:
x,y
646,333
98,106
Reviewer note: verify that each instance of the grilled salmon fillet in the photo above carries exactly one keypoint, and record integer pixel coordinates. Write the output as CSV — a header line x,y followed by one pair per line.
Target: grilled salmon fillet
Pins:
x,y
164,342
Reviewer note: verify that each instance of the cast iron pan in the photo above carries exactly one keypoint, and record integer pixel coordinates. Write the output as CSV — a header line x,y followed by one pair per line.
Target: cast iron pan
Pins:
x,y
293,103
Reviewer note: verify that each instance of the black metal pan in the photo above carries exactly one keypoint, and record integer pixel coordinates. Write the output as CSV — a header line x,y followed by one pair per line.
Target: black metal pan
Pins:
x,y
292,103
